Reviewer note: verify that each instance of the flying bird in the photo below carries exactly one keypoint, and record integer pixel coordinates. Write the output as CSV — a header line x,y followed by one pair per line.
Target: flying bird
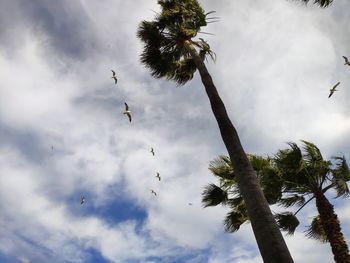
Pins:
x,y
189,203
158,176
82,200
114,77
152,151
153,192
127,111
347,62
332,90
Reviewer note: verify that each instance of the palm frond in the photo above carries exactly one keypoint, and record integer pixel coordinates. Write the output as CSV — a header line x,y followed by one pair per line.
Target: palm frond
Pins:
x,y
213,195
341,169
341,187
289,159
312,153
292,200
222,167
287,221
316,230
234,219
321,3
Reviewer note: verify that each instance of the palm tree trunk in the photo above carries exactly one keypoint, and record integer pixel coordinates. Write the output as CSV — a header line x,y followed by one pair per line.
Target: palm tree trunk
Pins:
x,y
332,228
270,241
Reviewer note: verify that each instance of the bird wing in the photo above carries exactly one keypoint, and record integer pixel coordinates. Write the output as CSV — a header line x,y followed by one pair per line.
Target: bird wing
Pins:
x,y
129,116
330,94
115,80
346,59
336,85
126,106
113,72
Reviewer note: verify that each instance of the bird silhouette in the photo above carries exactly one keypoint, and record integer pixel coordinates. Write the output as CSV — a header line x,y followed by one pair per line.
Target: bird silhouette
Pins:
x,y
158,176
82,200
152,151
127,111
114,77
190,204
153,192
347,62
332,90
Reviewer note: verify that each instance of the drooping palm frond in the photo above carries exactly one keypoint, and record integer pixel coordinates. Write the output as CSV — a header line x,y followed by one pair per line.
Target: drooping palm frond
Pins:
x,y
340,177
316,230
289,201
235,218
287,221
213,195
321,3
289,160
222,167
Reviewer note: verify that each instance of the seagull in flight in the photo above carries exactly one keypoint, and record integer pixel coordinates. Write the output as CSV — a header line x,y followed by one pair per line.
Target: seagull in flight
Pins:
x,y
82,200
158,176
347,62
332,90
127,111
152,151
190,204
114,77
153,192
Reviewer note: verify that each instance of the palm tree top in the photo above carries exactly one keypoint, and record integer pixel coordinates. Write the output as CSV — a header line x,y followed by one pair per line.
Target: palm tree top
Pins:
x,y
321,3
164,39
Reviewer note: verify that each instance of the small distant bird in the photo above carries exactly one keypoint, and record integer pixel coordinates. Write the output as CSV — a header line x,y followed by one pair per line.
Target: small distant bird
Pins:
x,y
152,151
158,176
127,111
347,62
114,77
52,147
332,90
189,203
153,192
82,200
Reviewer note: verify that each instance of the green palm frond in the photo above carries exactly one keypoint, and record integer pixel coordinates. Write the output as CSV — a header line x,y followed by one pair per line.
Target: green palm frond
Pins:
x,y
289,160
341,187
234,219
222,167
213,195
341,169
321,3
316,230
312,153
287,221
259,162
289,201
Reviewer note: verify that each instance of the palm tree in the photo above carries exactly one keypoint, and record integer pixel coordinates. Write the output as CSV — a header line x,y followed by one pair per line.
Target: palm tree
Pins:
x,y
321,3
170,51
292,177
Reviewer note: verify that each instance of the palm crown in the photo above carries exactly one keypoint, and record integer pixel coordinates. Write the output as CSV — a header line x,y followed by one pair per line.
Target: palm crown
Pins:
x,y
291,177
164,51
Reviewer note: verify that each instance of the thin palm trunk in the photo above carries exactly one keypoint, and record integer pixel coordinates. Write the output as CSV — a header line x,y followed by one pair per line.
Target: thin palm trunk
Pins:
x,y
332,228
270,241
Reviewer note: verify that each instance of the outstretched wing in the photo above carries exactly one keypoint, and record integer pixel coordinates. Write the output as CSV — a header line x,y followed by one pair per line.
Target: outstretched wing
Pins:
x,y
126,106
129,116
336,85
113,72
346,59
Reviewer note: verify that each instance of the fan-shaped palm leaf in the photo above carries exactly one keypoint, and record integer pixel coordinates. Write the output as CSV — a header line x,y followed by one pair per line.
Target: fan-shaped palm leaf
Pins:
x,y
213,195
295,199
234,219
316,230
287,221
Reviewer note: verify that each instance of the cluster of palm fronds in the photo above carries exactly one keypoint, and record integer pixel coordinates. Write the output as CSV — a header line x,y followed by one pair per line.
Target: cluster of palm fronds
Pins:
x,y
290,178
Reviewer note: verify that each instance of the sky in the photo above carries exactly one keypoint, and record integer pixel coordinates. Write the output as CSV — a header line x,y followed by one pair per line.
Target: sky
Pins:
x,y
63,133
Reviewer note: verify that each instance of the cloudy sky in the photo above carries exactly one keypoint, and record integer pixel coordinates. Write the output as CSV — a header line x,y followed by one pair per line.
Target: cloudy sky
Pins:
x,y
63,134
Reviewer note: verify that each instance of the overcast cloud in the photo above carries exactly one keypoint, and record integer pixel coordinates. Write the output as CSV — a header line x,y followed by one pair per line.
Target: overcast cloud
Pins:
x,y
63,134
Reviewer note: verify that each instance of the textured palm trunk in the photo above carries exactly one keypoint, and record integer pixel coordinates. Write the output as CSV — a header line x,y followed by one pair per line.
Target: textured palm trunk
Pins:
x,y
332,228
270,241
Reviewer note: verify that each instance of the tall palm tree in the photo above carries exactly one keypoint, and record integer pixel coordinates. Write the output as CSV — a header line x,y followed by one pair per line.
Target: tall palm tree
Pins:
x,y
292,177
170,51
